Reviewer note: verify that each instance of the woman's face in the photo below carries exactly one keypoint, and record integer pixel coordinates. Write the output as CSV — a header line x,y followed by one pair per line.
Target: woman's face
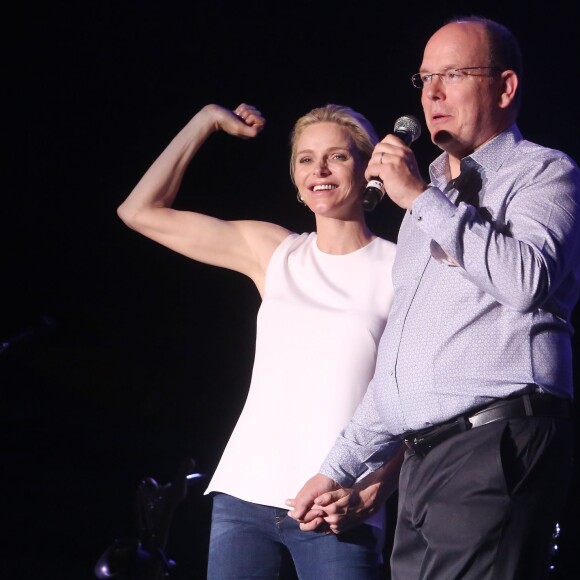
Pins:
x,y
328,170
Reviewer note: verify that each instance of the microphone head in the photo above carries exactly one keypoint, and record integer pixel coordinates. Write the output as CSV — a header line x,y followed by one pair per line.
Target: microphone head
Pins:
x,y
407,128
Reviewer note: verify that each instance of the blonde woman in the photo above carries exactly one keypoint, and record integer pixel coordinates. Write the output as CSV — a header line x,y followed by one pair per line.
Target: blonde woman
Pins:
x,y
325,300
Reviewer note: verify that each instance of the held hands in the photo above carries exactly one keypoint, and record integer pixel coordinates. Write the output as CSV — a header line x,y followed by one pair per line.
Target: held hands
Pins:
x,y
244,121
323,506
305,504
338,511
396,165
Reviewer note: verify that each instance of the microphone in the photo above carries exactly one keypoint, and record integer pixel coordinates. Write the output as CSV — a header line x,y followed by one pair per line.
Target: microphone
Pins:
x,y
408,129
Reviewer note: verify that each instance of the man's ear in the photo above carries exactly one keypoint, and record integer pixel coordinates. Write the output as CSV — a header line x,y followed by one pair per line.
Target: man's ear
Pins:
x,y
508,87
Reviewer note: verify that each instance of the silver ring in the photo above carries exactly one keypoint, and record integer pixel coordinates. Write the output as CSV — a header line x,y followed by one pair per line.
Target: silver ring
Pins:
x,y
381,161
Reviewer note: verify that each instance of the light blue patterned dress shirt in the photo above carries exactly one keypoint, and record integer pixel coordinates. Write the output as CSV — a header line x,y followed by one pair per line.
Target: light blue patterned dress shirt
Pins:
x,y
486,277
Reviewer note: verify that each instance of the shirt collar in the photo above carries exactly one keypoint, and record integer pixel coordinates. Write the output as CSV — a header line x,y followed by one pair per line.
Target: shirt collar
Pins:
x,y
491,156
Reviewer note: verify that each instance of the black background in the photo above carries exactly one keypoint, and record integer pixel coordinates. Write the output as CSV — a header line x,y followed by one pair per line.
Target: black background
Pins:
x,y
123,358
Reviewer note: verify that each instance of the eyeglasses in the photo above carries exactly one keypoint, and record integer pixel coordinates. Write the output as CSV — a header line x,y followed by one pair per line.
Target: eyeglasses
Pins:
x,y
451,76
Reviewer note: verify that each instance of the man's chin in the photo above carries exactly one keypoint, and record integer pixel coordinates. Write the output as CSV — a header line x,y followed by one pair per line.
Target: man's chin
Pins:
x,y
442,138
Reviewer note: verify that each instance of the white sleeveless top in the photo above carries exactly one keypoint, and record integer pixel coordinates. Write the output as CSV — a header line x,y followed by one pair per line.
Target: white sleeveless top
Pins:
x,y
317,334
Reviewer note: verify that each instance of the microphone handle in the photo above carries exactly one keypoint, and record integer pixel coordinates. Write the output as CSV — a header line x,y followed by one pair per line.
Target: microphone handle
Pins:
x,y
373,193
375,190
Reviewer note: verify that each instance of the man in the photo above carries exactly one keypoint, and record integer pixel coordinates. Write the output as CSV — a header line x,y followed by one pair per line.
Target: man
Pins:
x,y
474,371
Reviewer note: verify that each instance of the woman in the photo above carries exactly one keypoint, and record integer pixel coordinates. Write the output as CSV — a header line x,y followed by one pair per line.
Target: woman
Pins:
x,y
325,300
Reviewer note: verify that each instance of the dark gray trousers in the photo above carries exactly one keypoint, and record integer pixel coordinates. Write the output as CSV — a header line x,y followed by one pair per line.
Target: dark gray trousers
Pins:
x,y
483,504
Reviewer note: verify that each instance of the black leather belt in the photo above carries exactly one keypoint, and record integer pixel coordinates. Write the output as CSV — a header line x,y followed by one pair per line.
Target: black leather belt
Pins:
x,y
528,405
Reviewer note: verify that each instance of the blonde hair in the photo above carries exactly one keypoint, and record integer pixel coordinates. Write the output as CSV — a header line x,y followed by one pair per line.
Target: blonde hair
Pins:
x,y
359,127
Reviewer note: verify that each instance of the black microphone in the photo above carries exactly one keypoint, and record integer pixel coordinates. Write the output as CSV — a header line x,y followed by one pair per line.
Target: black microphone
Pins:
x,y
408,129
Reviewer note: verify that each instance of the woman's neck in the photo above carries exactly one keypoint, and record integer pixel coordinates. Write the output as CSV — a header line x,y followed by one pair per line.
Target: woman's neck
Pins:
x,y
342,237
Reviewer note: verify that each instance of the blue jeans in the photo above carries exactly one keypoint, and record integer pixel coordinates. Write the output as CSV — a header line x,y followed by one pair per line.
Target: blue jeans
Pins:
x,y
248,540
